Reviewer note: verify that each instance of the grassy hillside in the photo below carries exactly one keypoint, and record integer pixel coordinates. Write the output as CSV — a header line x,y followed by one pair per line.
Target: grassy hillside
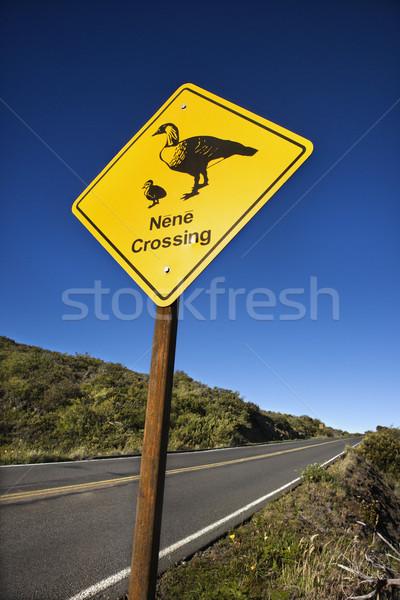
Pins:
x,y
58,406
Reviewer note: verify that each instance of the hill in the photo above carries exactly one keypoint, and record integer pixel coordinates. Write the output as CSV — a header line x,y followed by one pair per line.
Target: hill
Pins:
x,y
58,406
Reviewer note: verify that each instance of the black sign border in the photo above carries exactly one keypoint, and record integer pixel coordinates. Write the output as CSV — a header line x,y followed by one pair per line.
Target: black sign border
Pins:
x,y
234,226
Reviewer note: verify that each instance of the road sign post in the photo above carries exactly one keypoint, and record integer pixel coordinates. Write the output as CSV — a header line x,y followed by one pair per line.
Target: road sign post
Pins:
x,y
164,208
146,540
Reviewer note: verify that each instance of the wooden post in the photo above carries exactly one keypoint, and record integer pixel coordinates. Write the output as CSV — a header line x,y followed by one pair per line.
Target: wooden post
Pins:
x,y
146,541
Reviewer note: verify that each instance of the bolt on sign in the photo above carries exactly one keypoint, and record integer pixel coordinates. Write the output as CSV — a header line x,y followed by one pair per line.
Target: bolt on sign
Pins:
x,y
183,187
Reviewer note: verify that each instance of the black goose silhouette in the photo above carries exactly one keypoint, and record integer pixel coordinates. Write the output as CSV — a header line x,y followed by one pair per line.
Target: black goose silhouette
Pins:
x,y
153,192
192,155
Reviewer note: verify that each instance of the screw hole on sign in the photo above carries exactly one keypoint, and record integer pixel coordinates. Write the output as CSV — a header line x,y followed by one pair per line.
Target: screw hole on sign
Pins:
x,y
183,106
167,269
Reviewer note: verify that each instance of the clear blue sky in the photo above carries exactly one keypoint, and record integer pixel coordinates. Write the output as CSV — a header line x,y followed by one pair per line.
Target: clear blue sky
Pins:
x,y
81,78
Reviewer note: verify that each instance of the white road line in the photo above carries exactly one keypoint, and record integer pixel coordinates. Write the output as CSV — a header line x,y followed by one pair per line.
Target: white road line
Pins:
x,y
217,524
109,459
117,577
102,585
60,463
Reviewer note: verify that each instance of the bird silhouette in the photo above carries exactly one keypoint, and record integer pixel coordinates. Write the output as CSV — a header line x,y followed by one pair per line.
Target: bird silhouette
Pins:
x,y
193,155
153,192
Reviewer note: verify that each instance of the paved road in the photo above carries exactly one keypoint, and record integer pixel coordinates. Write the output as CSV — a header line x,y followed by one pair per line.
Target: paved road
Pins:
x,y
67,526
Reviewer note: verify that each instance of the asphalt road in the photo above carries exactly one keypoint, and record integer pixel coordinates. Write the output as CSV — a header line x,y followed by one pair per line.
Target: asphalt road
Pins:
x,y
68,526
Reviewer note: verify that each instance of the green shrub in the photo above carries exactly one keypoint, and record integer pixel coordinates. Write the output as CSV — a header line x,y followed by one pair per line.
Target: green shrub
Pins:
x,y
383,449
315,472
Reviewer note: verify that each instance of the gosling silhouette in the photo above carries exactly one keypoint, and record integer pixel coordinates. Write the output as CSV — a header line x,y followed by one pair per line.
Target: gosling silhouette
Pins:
x,y
153,192
192,155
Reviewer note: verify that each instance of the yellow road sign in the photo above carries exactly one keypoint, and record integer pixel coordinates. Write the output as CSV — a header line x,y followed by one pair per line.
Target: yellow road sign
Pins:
x,y
184,186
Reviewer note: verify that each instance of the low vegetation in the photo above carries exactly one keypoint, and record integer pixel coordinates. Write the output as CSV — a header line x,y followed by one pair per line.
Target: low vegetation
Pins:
x,y
57,406
383,450
334,537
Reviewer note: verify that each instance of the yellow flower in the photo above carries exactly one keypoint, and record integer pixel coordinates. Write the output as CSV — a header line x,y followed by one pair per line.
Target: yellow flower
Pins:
x,y
252,567
232,536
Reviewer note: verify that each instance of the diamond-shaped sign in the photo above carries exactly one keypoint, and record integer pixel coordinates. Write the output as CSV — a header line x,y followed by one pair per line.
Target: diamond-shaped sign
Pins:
x,y
184,185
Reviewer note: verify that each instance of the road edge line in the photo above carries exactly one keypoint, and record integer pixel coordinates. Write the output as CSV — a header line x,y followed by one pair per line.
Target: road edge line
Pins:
x,y
101,586
117,577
